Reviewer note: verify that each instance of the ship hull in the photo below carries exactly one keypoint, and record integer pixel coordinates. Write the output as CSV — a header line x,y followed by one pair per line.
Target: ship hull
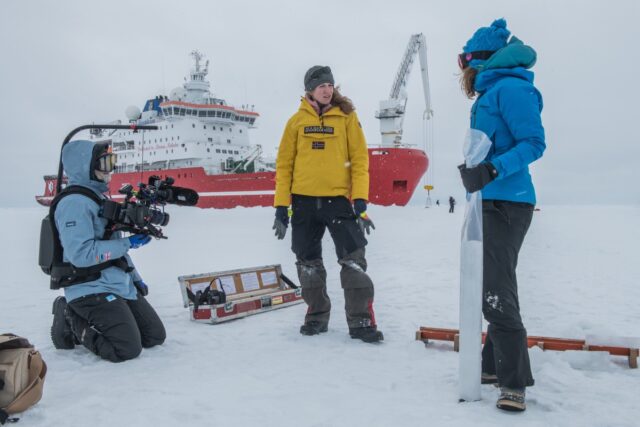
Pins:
x,y
394,174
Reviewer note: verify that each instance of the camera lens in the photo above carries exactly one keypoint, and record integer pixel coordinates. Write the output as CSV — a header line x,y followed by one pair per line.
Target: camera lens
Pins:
x,y
158,217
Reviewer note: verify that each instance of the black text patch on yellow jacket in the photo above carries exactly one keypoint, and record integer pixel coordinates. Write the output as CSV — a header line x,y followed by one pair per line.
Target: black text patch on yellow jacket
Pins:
x,y
319,129
317,145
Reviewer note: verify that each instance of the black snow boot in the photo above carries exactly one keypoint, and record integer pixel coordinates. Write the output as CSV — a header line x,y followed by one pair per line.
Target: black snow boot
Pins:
x,y
61,332
511,400
313,327
366,334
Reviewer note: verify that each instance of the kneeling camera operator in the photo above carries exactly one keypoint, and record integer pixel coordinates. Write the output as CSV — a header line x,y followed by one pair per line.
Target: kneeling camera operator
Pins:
x,y
104,307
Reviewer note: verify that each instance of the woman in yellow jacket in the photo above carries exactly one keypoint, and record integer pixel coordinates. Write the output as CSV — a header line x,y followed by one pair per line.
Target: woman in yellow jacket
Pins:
x,y
323,162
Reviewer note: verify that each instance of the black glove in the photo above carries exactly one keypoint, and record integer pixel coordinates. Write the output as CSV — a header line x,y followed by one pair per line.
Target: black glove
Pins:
x,y
281,222
359,206
142,287
477,177
363,220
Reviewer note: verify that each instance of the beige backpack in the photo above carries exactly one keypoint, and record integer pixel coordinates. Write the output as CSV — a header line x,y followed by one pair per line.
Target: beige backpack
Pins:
x,y
22,372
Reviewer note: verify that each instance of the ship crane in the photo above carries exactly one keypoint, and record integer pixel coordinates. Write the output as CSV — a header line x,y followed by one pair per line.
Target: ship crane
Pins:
x,y
244,163
391,113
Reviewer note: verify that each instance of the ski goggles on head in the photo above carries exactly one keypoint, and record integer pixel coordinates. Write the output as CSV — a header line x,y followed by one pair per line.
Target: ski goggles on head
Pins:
x,y
466,57
106,162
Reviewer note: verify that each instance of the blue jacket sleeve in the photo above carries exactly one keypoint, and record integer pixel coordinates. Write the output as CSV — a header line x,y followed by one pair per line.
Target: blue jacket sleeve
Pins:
x,y
134,274
75,217
520,108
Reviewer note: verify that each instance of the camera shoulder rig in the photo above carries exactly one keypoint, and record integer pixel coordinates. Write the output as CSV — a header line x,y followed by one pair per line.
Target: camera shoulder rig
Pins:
x,y
62,273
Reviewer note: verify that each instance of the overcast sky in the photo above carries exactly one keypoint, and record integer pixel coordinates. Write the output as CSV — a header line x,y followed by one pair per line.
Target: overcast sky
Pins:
x,y
68,63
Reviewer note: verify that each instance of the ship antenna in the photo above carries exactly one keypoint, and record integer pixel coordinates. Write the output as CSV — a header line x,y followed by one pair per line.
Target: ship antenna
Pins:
x,y
142,159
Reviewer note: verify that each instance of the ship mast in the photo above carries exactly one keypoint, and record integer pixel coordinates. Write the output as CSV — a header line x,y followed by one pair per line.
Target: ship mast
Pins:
x,y
198,86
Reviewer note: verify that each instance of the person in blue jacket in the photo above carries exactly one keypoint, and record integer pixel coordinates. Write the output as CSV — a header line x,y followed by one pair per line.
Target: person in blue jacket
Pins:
x,y
495,71
109,315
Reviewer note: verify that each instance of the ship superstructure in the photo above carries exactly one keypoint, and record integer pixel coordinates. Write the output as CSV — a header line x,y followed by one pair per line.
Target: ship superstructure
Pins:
x,y
196,129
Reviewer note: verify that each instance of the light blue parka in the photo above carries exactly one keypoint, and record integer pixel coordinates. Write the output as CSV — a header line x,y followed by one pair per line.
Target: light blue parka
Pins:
x,y
81,229
508,112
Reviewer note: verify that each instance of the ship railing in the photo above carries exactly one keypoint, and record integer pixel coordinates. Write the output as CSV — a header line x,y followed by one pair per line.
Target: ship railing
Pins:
x,y
402,145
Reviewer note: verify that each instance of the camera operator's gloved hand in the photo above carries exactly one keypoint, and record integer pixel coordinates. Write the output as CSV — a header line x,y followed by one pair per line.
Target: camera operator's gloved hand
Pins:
x,y
363,220
477,177
281,222
138,240
142,287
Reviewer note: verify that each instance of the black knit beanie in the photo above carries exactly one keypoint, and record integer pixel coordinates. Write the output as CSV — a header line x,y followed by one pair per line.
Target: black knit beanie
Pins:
x,y
316,76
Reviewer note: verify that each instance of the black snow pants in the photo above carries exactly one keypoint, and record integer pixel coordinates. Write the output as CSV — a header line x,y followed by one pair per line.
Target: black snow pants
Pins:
x,y
505,352
115,328
311,216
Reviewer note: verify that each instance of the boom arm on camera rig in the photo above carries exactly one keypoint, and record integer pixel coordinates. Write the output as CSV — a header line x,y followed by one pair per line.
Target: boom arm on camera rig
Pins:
x,y
85,127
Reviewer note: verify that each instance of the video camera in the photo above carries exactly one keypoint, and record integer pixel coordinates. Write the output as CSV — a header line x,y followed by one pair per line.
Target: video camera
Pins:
x,y
139,213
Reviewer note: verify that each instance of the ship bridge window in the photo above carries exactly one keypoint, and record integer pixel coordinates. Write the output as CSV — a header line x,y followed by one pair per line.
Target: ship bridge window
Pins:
x,y
217,150
228,141
182,111
224,151
202,114
211,113
189,112
210,139
235,152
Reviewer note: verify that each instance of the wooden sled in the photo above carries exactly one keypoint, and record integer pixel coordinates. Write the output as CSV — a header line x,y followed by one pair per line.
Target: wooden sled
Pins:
x,y
546,343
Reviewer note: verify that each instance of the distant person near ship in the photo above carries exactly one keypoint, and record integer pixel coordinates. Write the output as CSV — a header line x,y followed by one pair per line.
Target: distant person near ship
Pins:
x,y
452,204
323,162
507,109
